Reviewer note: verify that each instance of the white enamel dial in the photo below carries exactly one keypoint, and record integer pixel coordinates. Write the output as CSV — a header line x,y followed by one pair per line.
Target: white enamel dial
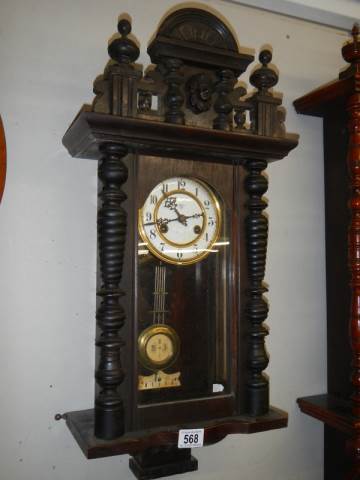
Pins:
x,y
180,220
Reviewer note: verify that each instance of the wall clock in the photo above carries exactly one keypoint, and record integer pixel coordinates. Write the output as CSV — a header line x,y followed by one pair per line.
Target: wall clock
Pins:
x,y
182,243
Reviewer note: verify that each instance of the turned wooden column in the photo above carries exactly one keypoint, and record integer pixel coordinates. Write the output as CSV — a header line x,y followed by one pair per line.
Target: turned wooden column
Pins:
x,y
353,160
256,225
264,122
174,98
354,245
223,106
351,53
109,408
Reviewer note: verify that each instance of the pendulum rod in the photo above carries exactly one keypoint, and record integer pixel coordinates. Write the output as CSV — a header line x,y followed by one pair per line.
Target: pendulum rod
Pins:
x,y
159,295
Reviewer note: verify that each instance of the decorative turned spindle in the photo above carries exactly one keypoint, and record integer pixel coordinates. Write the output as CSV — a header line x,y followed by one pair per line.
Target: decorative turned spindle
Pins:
x,y
256,225
354,245
351,54
223,105
174,98
109,408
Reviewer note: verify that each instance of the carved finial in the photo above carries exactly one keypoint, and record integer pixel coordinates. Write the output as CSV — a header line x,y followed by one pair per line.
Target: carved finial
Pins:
x,y
265,57
123,50
355,32
124,27
351,51
264,77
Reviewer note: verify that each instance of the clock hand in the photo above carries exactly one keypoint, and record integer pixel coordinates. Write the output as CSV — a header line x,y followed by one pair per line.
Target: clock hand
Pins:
x,y
181,218
161,221
171,204
196,215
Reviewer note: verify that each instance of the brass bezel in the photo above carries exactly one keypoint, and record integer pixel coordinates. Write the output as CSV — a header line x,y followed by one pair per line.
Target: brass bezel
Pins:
x,y
145,336
202,255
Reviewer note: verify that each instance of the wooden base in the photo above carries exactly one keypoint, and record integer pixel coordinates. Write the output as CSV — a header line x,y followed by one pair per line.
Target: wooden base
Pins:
x,y
162,462
342,435
81,425
333,411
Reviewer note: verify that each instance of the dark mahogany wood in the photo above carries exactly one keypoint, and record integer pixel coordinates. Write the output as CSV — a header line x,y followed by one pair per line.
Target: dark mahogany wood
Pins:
x,y
2,159
257,308
223,106
81,424
159,462
338,103
354,245
332,410
89,130
174,98
109,407
195,370
198,37
186,115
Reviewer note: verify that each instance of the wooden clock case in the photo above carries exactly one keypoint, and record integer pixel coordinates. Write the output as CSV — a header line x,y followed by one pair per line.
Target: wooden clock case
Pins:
x,y
185,115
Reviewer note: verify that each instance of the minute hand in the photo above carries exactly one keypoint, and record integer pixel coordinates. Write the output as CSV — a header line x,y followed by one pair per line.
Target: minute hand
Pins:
x,y
168,220
196,215
182,218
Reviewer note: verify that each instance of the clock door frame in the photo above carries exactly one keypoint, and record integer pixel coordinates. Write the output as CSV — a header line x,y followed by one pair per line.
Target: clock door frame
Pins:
x,y
224,179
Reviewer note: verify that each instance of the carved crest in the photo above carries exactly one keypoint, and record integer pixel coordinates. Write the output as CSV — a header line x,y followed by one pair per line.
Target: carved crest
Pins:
x,y
197,62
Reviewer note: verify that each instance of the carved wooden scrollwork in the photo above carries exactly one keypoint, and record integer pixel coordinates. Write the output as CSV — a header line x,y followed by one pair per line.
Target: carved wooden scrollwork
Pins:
x,y
199,90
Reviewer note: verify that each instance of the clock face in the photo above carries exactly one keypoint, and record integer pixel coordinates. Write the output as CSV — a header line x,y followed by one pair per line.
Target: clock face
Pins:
x,y
158,346
180,220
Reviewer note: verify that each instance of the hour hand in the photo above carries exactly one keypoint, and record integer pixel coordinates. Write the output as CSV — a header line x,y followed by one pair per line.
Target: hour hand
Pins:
x,y
171,204
181,218
159,221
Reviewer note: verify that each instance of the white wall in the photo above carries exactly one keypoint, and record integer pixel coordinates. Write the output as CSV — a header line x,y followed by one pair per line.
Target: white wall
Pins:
x,y
336,13
50,52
